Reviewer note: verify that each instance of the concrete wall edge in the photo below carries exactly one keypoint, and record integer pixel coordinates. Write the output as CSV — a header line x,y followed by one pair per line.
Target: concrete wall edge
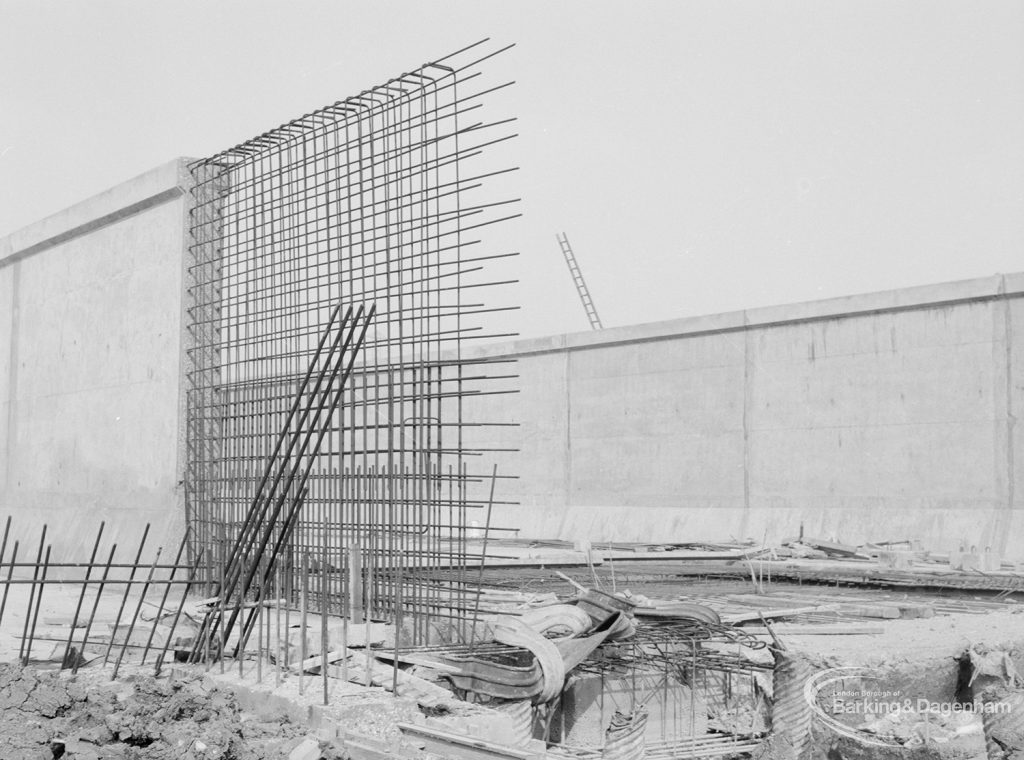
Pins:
x,y
997,287
159,185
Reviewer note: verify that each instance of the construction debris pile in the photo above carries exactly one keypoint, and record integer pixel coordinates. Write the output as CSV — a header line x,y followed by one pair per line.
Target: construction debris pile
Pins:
x,y
608,659
538,663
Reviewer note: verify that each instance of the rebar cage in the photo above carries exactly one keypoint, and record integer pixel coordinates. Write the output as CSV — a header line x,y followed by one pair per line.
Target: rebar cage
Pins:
x,y
374,203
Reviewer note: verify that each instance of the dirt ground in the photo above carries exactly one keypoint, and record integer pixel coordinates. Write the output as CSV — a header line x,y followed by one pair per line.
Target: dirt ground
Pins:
x,y
88,717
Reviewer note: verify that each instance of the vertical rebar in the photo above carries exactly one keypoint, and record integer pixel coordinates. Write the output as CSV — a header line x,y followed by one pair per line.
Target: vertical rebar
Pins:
x,y
483,561
221,602
39,605
163,598
95,606
32,592
303,621
124,598
3,552
323,611
3,544
135,616
7,584
177,615
81,597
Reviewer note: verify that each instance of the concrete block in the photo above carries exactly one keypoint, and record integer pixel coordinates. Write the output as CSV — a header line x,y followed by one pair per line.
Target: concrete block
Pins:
x,y
359,750
487,725
990,561
965,560
327,733
309,749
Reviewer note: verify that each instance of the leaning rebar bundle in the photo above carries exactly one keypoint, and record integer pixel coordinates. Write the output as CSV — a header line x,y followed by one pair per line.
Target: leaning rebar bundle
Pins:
x,y
268,523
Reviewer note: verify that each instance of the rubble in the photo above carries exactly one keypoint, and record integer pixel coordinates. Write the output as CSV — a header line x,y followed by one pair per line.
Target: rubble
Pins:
x,y
139,716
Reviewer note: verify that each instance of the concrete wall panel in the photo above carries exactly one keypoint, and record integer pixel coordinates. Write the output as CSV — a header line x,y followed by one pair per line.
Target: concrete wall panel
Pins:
x,y
895,408
877,417
92,407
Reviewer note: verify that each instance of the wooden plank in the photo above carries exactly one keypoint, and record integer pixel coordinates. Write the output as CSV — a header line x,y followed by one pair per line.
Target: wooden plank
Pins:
x,y
831,547
683,555
889,609
744,617
835,604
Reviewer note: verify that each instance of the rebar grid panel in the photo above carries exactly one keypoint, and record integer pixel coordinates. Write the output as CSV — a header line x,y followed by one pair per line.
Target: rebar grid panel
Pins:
x,y
370,201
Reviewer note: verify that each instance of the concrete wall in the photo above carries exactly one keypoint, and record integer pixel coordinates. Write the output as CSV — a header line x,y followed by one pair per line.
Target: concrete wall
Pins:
x,y
883,416
90,368
874,417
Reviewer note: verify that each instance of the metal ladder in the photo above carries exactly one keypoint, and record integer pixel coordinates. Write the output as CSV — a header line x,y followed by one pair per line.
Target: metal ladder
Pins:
x,y
581,284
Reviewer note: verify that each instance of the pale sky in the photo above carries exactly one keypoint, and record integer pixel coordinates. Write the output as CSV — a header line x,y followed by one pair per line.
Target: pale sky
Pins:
x,y
702,156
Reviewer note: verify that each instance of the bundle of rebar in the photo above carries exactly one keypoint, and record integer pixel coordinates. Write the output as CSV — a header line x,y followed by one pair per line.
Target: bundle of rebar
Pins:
x,y
268,523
